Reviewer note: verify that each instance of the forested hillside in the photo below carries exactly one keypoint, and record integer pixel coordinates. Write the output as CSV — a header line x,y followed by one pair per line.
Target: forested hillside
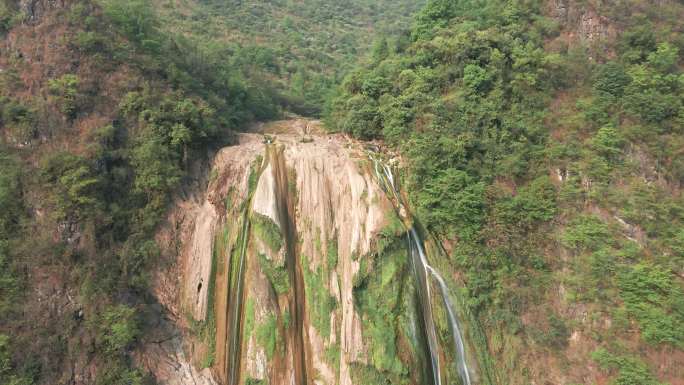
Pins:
x,y
300,49
108,108
541,142
99,125
544,145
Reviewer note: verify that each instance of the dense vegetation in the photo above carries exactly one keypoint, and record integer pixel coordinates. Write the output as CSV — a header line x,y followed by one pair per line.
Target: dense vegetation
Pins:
x,y
295,51
79,201
548,160
104,124
544,164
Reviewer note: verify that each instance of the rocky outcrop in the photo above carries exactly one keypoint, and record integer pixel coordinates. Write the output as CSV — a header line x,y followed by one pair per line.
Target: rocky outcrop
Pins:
x,y
581,23
163,356
306,215
36,9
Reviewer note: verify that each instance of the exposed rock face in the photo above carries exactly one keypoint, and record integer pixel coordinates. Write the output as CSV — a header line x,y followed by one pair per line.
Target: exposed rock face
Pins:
x,y
163,356
198,267
327,211
580,22
35,9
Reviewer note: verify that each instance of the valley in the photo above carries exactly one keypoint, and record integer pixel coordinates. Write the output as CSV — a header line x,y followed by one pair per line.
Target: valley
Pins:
x,y
316,192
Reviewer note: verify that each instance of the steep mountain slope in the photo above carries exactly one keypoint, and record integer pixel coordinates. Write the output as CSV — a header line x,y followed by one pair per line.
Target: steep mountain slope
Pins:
x,y
97,129
518,220
544,147
106,113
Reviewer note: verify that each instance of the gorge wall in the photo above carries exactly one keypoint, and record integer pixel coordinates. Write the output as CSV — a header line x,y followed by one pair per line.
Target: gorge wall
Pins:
x,y
293,267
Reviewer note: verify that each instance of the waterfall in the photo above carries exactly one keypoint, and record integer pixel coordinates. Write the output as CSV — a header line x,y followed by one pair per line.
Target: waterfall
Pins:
x,y
455,327
423,271
423,288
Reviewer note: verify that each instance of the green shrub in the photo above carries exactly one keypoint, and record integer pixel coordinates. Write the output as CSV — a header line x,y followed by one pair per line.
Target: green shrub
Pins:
x,y
557,334
586,233
75,185
117,372
10,195
19,119
65,89
9,15
136,19
8,374
533,204
608,143
10,285
656,301
117,328
611,78
363,118
91,42
630,371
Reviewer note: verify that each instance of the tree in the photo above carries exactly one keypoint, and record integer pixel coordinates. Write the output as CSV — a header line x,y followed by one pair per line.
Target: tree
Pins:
x,y
135,18
118,328
65,89
436,14
76,187
453,203
10,199
7,372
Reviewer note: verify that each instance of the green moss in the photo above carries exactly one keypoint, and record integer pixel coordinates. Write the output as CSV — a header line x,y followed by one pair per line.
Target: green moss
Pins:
x,y
318,298
292,183
207,328
332,355
287,319
332,254
278,275
254,381
249,318
266,230
393,229
368,375
267,335
255,172
235,253
228,201
380,301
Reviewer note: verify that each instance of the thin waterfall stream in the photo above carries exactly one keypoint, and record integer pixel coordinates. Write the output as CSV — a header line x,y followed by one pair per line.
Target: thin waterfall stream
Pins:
x,y
423,270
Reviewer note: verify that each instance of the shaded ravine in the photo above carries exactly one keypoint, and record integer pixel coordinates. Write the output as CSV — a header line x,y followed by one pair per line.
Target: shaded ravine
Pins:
x,y
422,271
285,207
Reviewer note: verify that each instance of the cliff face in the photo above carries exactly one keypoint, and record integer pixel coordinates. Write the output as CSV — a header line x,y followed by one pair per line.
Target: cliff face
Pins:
x,y
274,261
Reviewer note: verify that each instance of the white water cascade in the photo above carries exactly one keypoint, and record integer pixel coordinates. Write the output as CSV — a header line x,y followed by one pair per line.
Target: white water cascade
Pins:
x,y
423,271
